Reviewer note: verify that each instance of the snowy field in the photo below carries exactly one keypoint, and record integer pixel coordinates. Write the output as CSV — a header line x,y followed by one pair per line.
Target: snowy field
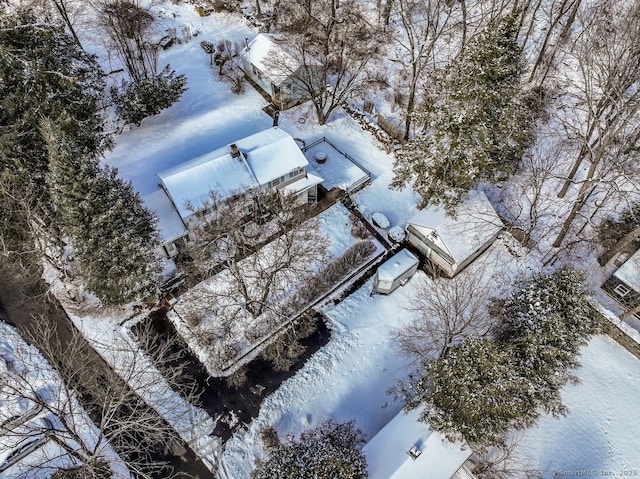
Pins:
x,y
599,437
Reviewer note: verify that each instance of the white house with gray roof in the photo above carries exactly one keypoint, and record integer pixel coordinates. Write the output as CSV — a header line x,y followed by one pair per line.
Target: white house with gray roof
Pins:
x,y
270,159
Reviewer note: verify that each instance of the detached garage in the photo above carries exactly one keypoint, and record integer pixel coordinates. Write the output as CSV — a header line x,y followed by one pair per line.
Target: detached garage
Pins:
x,y
452,243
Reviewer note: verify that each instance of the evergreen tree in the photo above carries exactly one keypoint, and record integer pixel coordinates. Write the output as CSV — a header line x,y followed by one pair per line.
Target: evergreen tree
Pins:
x,y
113,235
483,388
330,451
43,72
148,96
545,323
472,394
476,123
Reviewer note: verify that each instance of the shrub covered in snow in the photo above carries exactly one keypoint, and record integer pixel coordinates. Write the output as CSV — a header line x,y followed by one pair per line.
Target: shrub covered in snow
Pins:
x,y
138,100
330,451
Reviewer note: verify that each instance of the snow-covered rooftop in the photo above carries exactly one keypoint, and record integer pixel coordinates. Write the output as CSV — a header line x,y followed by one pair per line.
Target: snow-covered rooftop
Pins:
x,y
629,272
170,225
396,265
270,57
217,171
388,455
308,181
264,156
476,223
271,154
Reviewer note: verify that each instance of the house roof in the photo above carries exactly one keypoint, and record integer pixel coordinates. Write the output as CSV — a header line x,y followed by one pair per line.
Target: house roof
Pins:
x,y
476,223
396,265
270,57
271,154
629,272
304,183
264,156
388,456
170,225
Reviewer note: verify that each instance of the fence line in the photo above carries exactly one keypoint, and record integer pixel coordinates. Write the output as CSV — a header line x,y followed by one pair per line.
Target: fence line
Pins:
x,y
357,185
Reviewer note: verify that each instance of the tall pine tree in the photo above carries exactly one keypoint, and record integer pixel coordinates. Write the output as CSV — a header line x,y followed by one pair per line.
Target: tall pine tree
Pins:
x,y
112,234
476,123
42,73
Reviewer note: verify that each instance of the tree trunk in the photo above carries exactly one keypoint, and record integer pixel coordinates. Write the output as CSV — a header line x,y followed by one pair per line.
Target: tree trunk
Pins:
x,y
411,99
578,204
547,38
620,245
386,14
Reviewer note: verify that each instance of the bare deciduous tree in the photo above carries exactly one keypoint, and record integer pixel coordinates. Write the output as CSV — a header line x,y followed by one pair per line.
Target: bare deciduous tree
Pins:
x,y
558,17
260,239
128,25
332,45
445,312
421,24
604,116
121,419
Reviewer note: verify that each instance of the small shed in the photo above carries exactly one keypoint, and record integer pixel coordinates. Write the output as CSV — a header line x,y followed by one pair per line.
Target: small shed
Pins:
x,y
395,272
454,242
275,69
408,449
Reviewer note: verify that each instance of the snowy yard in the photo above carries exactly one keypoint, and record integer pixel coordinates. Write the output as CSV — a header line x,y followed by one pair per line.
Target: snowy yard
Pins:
x,y
348,378
599,436
246,331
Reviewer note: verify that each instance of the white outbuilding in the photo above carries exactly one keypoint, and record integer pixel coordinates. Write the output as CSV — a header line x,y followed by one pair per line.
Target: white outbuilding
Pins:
x,y
395,272
408,449
454,242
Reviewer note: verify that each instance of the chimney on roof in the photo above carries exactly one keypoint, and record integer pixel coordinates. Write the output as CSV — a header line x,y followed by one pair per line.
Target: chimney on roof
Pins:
x,y
246,43
414,452
235,152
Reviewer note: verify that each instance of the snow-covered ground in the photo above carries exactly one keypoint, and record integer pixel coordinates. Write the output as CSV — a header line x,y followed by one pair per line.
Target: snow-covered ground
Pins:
x,y
24,421
335,223
348,378
117,345
599,437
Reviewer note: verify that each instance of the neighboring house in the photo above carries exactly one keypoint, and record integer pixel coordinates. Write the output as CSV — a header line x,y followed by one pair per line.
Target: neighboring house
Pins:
x,y
407,449
624,283
452,243
282,77
268,159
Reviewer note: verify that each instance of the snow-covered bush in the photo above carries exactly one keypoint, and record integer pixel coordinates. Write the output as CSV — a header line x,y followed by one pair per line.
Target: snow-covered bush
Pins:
x,y
138,100
330,451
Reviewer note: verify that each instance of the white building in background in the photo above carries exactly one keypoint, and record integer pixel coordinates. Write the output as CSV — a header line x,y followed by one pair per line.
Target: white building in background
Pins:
x,y
270,65
267,159
407,449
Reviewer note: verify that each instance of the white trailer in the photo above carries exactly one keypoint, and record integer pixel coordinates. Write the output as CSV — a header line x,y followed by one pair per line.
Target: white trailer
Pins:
x,y
395,272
